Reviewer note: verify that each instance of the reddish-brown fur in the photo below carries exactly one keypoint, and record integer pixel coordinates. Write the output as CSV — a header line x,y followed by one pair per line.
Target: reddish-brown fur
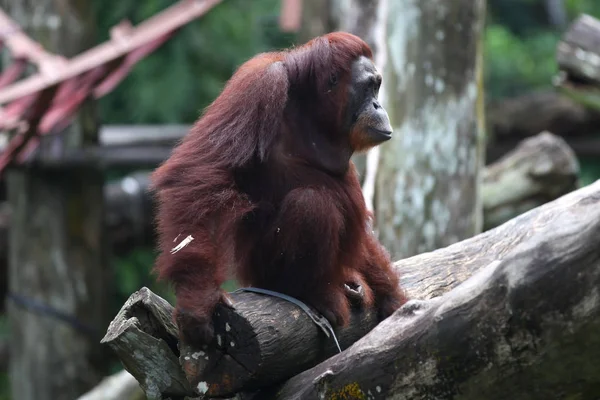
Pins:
x,y
251,189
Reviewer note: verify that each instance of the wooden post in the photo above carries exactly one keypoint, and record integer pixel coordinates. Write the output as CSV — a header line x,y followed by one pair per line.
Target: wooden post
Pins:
x,y
56,245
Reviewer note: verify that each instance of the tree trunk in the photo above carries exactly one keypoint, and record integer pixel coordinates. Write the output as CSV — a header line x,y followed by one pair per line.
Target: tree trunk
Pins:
x,y
427,193
56,251
423,185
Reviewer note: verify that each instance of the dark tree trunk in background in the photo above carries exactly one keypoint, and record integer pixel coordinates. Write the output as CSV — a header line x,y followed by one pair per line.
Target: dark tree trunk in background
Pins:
x,y
427,184
56,251
318,17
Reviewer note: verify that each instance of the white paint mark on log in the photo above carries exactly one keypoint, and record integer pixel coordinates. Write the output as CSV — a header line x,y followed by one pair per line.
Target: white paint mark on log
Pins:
x,y
516,273
202,387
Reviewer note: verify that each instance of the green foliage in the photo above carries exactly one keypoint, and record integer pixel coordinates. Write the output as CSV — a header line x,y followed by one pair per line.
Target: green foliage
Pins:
x,y
520,45
515,65
4,387
576,7
184,75
132,272
590,170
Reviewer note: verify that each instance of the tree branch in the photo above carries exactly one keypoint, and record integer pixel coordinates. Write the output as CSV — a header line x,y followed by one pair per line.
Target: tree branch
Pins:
x,y
539,274
516,329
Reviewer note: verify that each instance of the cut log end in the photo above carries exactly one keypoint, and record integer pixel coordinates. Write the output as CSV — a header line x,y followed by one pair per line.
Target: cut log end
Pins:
x,y
263,339
226,365
144,337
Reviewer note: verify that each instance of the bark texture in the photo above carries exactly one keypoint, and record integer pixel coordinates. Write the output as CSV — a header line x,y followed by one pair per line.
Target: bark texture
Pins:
x,y
525,326
56,250
147,345
427,184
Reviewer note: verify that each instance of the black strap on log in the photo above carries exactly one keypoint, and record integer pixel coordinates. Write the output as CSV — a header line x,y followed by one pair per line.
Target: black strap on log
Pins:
x,y
318,319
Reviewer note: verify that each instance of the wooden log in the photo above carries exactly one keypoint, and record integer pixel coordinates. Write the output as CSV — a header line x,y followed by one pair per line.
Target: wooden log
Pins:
x,y
578,53
145,339
540,169
578,58
525,326
267,339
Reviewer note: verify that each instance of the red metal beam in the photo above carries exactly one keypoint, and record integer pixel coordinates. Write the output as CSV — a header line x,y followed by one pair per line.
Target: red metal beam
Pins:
x,y
46,102
290,18
152,29
22,47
